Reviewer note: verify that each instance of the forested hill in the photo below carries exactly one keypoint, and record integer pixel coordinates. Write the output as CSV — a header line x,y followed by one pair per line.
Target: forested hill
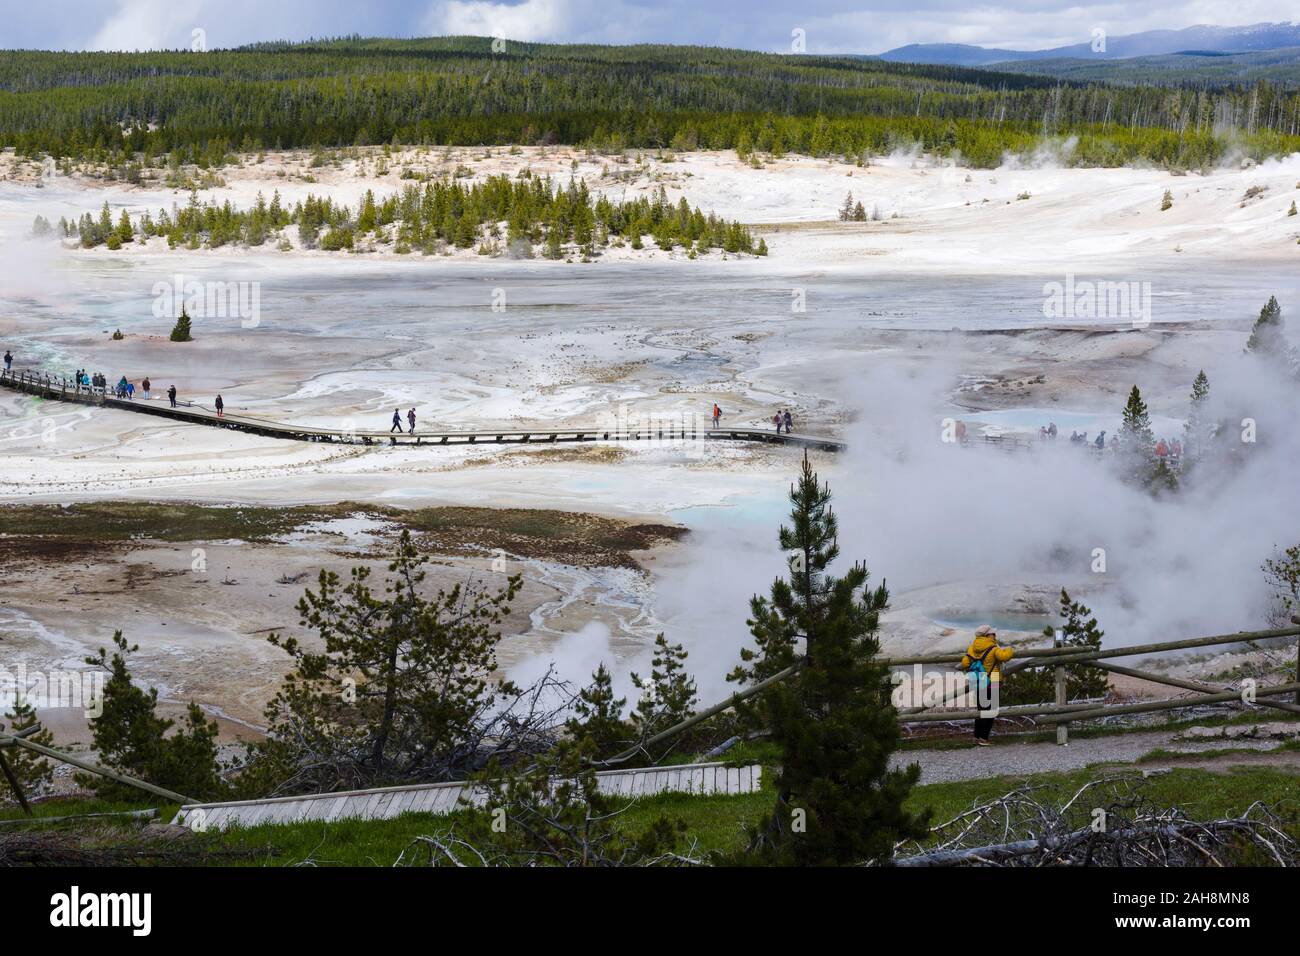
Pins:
x,y
457,90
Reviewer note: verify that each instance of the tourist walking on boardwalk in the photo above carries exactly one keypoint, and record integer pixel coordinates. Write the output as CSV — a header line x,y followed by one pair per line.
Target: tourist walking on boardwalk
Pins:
x,y
776,420
788,421
410,417
130,390
397,421
221,407
171,395
9,360
982,663
144,389
717,414
121,387
1101,440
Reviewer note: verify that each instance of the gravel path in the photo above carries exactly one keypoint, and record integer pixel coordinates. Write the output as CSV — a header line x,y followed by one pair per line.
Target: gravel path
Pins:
x,y
972,763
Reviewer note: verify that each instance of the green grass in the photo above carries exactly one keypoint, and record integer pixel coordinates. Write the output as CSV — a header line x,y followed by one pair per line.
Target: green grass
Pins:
x,y
713,823
74,806
718,822
1160,754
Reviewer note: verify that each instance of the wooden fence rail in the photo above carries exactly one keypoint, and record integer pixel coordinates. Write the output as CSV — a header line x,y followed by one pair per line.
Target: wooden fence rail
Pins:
x,y
1055,657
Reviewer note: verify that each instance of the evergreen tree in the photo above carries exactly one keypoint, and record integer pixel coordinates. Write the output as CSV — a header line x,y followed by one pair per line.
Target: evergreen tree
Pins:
x,y
837,800
181,331
31,770
368,218
598,715
554,249
744,145
131,738
1167,201
668,697
1037,685
1268,337
1135,435
1196,431
1163,478
1283,575
846,209
398,688
125,232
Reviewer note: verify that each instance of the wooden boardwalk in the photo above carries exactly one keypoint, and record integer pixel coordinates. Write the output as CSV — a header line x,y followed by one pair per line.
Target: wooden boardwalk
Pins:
x,y
63,389
441,798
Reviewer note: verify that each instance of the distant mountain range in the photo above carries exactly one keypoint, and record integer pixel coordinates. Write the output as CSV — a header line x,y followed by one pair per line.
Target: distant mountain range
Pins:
x,y
1202,68
1198,40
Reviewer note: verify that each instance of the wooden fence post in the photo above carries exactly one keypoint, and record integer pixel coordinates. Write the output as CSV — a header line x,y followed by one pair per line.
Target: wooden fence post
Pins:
x,y
15,785
1295,619
1062,729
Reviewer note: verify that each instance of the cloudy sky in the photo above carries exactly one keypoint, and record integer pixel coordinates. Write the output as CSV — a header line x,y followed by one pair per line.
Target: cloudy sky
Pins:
x,y
830,26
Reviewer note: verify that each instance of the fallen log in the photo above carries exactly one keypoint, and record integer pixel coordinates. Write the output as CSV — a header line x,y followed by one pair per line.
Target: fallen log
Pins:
x,y
1062,846
96,769
1169,703
1184,684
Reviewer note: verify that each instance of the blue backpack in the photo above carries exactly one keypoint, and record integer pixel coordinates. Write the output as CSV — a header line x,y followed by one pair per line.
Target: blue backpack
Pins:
x,y
978,674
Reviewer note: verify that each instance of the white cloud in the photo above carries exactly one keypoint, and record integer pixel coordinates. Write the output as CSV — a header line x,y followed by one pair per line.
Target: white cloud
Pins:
x,y
149,25
530,20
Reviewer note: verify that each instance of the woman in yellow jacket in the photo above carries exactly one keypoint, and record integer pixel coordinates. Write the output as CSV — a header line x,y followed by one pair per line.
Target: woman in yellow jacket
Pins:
x,y
990,655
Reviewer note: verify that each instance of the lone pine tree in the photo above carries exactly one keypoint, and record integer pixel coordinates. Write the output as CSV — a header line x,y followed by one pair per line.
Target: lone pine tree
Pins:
x,y
668,695
181,331
399,687
1136,439
132,738
30,771
1268,337
1038,685
598,715
1196,432
838,802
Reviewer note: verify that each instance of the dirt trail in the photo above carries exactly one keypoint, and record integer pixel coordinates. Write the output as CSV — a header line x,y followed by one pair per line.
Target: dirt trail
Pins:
x,y
945,766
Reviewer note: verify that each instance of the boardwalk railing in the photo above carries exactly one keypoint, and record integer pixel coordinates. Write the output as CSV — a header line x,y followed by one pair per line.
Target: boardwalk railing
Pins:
x,y
1060,712
63,388
385,803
